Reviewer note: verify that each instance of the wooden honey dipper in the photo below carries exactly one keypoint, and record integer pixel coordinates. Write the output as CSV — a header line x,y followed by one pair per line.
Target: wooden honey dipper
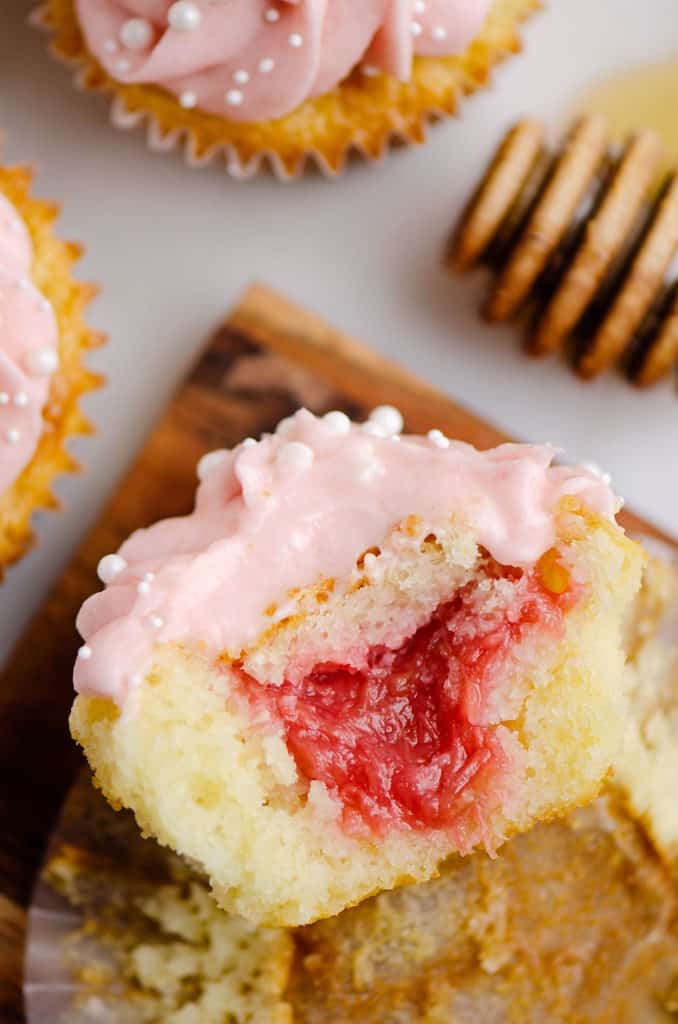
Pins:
x,y
584,240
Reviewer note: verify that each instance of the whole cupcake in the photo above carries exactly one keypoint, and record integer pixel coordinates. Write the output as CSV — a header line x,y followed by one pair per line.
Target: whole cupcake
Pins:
x,y
42,341
283,79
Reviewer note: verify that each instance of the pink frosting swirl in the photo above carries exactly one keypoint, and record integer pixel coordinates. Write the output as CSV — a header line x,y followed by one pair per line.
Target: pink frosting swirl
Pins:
x,y
28,349
300,505
250,60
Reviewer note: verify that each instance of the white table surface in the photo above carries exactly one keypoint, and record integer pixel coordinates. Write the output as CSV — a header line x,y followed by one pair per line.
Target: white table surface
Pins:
x,y
172,247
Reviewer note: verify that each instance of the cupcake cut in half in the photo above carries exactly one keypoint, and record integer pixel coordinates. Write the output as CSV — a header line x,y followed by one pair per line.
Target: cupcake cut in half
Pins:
x,y
283,79
361,653
43,339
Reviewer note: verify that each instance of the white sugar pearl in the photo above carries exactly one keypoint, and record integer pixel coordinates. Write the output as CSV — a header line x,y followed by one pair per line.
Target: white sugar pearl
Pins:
x,y
272,14
110,46
123,65
234,97
437,438
21,399
184,16
156,621
338,422
4,398
209,462
439,33
373,429
415,28
241,76
109,567
286,426
143,587
41,362
294,457
594,468
370,562
266,65
388,417
136,33
419,7
85,652
188,99
12,435
296,40
249,442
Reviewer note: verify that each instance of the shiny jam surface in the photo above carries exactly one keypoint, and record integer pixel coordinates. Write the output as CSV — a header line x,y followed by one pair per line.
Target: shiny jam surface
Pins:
x,y
402,743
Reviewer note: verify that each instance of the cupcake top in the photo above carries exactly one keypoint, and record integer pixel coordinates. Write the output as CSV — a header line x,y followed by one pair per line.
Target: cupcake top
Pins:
x,y
299,506
251,60
28,348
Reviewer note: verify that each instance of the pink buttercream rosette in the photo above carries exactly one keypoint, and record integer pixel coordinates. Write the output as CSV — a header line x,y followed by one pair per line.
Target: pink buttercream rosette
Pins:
x,y
43,344
282,83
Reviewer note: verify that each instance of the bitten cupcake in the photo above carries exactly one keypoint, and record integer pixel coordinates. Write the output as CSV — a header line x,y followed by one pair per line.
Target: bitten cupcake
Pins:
x,y
361,653
283,79
42,341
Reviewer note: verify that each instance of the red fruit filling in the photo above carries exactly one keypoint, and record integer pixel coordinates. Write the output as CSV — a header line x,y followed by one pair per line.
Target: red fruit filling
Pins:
x,y
402,742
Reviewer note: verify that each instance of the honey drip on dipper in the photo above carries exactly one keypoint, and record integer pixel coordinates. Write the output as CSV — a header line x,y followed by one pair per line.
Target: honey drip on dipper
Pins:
x,y
583,240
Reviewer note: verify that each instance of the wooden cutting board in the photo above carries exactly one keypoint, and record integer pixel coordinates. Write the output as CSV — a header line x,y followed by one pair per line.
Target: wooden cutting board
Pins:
x,y
269,358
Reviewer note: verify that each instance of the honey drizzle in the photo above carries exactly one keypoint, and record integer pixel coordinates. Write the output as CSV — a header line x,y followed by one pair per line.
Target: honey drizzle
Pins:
x,y
645,97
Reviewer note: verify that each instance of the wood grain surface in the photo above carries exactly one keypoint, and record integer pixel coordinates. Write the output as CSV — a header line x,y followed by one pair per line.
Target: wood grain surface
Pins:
x,y
269,358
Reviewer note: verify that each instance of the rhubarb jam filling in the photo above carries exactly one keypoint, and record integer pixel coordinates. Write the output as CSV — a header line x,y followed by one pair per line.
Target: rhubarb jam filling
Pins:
x,y
405,741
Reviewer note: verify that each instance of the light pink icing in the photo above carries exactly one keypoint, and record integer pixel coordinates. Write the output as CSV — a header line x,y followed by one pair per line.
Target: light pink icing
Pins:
x,y
299,505
27,329
236,62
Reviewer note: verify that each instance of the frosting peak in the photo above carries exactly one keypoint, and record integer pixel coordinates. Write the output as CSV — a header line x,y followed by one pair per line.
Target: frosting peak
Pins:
x,y
28,348
299,505
251,60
